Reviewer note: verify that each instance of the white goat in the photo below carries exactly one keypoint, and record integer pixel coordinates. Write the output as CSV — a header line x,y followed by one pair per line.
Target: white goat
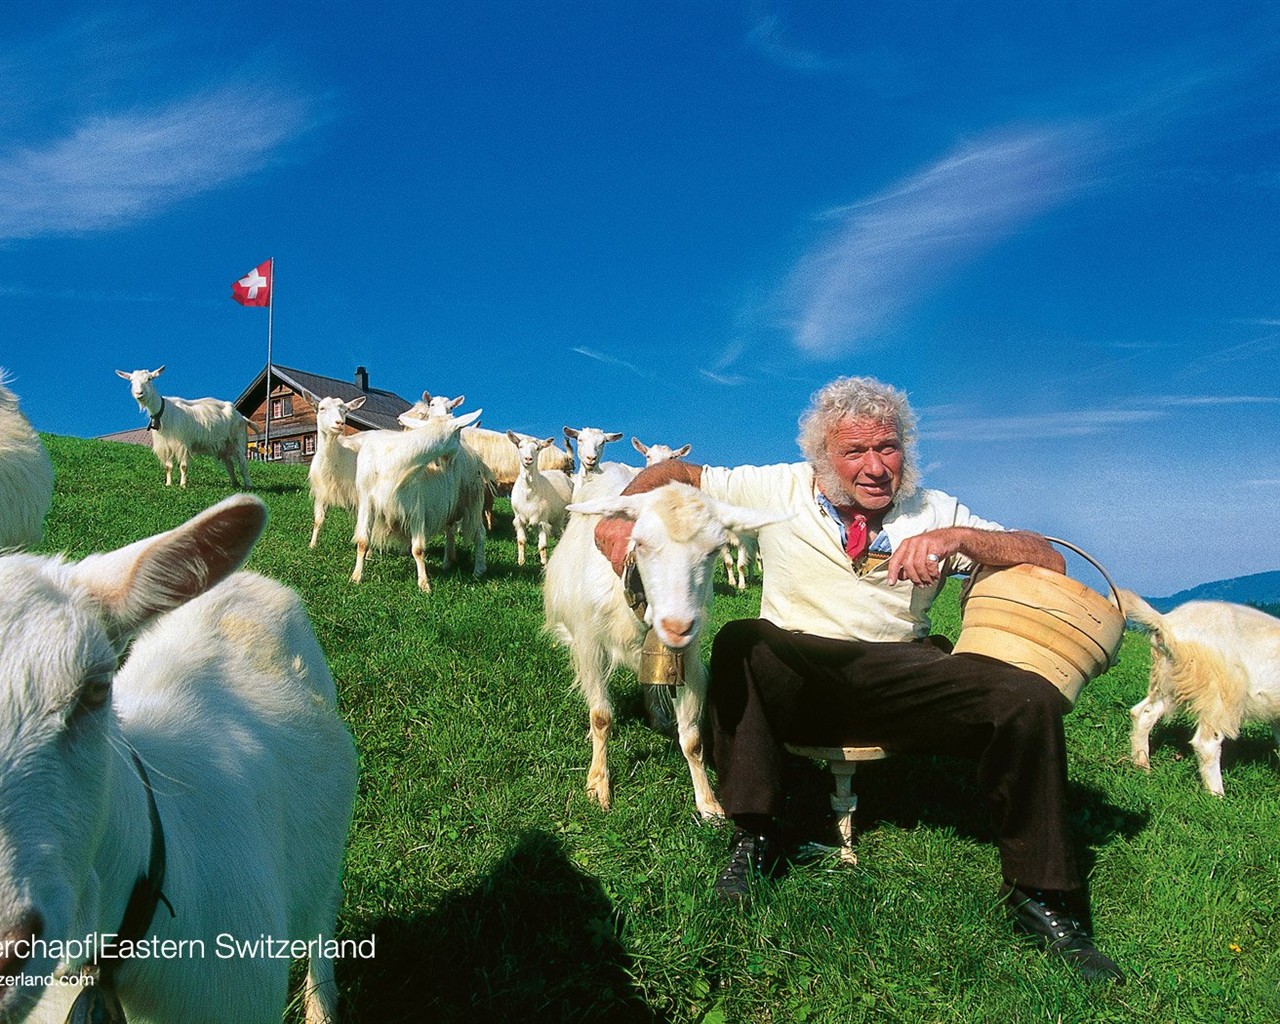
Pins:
x,y
26,476
332,474
414,484
655,453
538,498
1221,661
434,405
743,550
591,442
184,427
742,555
219,739
677,536
490,445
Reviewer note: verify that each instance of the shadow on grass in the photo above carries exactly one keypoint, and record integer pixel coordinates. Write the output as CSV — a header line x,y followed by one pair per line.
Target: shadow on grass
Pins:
x,y
1255,745
940,792
534,940
277,489
504,570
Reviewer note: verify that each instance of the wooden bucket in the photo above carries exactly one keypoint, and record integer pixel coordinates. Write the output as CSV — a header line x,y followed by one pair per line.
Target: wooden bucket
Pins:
x,y
1042,621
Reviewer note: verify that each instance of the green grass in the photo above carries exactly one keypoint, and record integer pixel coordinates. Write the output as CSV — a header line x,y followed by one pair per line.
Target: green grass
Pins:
x,y
496,892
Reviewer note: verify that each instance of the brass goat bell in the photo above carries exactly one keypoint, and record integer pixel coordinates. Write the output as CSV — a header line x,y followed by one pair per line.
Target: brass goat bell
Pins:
x,y
659,664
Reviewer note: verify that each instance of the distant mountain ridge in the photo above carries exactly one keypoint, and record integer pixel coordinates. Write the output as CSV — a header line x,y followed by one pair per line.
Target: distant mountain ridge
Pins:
x,y
1259,588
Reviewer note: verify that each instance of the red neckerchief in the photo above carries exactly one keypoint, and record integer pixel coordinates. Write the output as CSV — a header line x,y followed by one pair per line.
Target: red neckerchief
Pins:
x,y
855,538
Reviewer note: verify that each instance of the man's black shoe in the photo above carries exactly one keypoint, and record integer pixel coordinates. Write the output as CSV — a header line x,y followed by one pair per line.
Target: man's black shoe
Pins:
x,y
1045,917
751,854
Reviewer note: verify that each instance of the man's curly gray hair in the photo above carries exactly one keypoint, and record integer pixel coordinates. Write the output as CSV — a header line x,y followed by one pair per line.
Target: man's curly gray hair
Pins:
x,y
859,398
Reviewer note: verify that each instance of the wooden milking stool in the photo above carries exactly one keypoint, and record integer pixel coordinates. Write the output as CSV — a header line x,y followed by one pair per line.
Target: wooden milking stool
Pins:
x,y
843,762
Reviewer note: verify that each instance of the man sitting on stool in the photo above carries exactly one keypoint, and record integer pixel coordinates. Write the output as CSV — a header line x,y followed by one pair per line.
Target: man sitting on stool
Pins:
x,y
839,658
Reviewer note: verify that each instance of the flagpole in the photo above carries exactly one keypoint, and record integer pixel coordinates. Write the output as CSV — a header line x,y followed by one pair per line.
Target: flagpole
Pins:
x,y
271,307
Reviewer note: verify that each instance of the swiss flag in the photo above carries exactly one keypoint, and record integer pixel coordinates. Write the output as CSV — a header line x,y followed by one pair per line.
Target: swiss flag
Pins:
x,y
254,289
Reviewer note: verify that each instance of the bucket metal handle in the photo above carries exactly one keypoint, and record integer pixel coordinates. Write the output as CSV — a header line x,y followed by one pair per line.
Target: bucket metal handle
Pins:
x,y
1115,591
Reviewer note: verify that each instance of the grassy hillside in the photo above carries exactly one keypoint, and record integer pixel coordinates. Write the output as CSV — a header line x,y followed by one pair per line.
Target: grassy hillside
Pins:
x,y
496,892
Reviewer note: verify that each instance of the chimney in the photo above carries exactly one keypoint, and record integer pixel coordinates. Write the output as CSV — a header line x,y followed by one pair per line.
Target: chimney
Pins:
x,y
362,378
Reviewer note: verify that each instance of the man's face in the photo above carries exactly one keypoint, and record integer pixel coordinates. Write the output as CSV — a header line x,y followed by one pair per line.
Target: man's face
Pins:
x,y
866,457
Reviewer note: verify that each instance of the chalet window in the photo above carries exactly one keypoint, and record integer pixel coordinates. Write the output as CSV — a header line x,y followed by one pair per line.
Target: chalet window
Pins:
x,y
309,444
281,407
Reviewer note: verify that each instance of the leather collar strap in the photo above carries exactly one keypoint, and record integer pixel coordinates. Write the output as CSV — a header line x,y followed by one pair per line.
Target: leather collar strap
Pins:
x,y
98,1003
633,586
155,425
146,894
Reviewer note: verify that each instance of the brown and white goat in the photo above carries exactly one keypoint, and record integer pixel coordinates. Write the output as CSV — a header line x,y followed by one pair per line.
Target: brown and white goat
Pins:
x,y
1220,661
676,540
743,551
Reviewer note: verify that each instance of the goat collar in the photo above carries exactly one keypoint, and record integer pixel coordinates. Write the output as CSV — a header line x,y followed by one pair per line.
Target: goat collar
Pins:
x,y
99,1002
154,425
633,586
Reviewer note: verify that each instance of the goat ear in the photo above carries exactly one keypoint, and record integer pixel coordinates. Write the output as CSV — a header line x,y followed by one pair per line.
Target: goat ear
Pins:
x,y
635,443
513,437
356,402
126,376
736,518
426,396
133,585
546,442
468,420
570,432
157,371
612,437
457,402
680,453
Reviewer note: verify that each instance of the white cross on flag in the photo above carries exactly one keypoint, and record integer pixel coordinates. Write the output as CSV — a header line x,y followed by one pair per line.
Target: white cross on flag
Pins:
x,y
254,289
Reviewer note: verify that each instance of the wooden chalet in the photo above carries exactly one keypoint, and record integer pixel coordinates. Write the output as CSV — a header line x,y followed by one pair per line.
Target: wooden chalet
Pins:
x,y
293,399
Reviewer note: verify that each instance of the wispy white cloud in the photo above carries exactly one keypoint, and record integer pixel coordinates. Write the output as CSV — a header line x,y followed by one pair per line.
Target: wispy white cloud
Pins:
x,y
116,169
1212,361
731,379
957,423
886,252
768,37
1040,426
609,360
1256,321
1211,400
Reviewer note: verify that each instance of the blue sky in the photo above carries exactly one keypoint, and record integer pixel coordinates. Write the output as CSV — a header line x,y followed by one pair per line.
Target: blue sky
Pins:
x,y
1054,225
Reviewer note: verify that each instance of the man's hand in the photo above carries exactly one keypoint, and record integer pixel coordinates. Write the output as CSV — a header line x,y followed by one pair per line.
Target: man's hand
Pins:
x,y
613,533
919,558
613,538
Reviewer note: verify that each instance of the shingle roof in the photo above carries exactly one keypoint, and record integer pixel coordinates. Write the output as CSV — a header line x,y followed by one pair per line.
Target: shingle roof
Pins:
x,y
379,410
137,435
